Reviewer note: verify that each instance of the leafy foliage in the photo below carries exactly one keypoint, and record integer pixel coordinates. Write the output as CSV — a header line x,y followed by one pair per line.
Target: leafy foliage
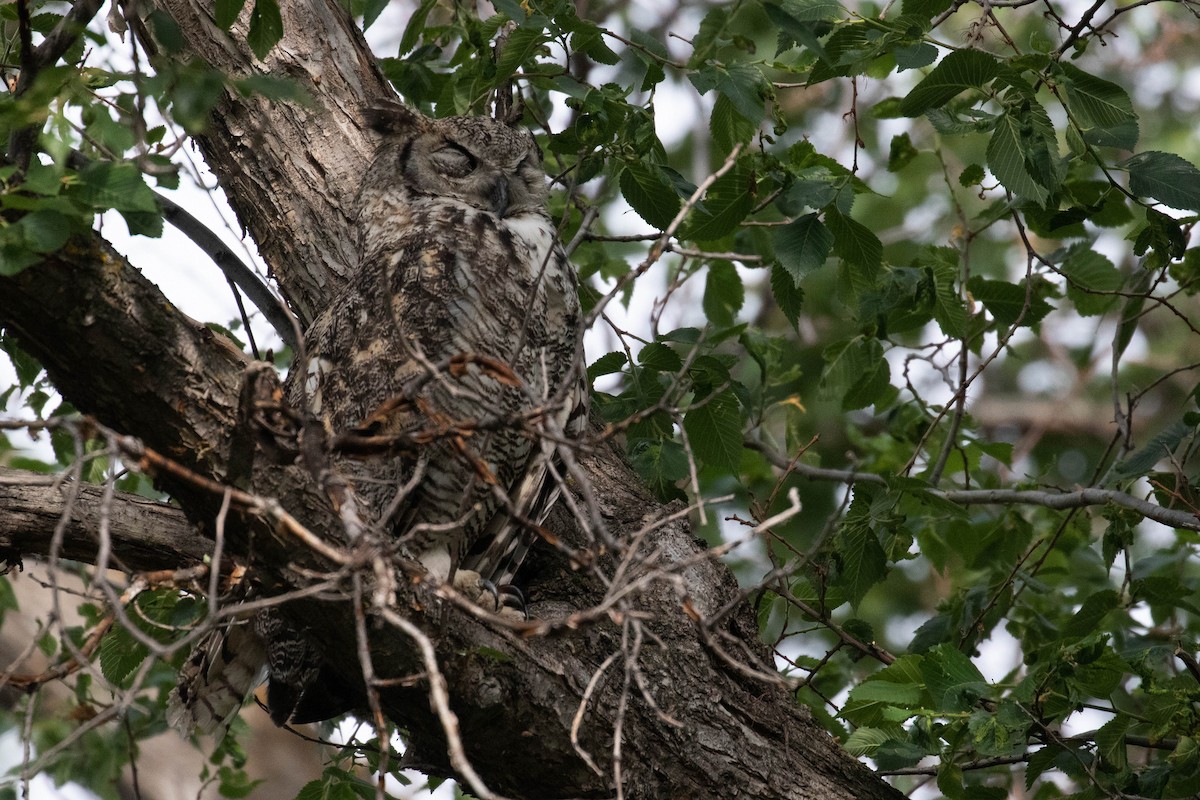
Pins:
x,y
933,283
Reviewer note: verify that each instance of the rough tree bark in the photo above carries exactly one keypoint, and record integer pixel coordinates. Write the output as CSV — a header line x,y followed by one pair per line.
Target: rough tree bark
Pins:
x,y
685,686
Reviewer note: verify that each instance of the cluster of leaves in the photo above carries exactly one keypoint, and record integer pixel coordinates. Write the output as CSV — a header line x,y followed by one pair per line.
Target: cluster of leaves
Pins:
x,y
95,116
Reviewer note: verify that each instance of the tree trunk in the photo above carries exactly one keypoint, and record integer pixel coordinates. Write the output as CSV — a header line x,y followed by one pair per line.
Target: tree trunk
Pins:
x,y
679,696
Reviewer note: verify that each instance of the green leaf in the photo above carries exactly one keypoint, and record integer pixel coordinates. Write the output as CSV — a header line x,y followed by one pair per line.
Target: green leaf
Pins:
x,y
714,429
863,562
120,655
1102,109
958,71
46,230
952,679
896,694
652,53
855,373
166,31
1089,273
924,9
1009,302
724,293
900,152
1110,743
1012,156
949,309
415,26
972,175
1162,445
662,465
521,46
607,364
661,357
855,243
728,127
788,294
107,184
225,12
1166,177
727,202
705,40
803,246
371,11
865,741
266,27
649,193
1087,619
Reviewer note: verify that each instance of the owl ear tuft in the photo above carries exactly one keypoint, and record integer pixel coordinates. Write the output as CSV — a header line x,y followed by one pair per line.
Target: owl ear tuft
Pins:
x,y
389,116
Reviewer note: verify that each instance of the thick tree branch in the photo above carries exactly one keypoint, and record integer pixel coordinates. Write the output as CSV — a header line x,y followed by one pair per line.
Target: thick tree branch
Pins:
x,y
262,150
145,534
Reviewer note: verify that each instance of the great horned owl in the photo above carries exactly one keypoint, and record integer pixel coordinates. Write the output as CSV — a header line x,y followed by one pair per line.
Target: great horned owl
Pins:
x,y
462,325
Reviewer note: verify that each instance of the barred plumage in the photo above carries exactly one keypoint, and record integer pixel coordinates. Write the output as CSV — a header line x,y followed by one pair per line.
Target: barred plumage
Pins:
x,y
462,323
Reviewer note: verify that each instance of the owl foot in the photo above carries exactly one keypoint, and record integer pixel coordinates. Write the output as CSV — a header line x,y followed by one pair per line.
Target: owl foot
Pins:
x,y
506,601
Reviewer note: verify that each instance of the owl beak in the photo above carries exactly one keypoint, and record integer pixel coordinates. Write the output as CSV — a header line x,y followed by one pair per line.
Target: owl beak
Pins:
x,y
498,197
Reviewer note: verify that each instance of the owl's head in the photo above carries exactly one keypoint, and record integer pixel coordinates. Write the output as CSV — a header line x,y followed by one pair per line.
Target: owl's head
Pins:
x,y
479,161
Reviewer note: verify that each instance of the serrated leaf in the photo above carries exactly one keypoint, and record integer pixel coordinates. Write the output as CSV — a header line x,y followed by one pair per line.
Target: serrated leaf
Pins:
x,y
107,184
120,655
972,175
855,373
1085,621
1163,444
607,364
266,27
900,153
1007,302
957,72
1166,177
727,202
1089,273
662,465
371,11
661,357
1008,157
949,309
47,231
727,126
924,9
855,243
788,295
803,246
522,44
952,679
896,694
415,27
652,53
863,562
714,429
865,741
1110,742
724,293
649,193
1101,107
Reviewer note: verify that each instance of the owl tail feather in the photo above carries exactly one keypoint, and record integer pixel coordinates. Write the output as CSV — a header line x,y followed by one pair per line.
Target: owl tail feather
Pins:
x,y
214,683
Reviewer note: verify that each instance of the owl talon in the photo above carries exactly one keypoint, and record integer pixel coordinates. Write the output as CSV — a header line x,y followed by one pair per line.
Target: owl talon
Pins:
x,y
477,589
512,602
